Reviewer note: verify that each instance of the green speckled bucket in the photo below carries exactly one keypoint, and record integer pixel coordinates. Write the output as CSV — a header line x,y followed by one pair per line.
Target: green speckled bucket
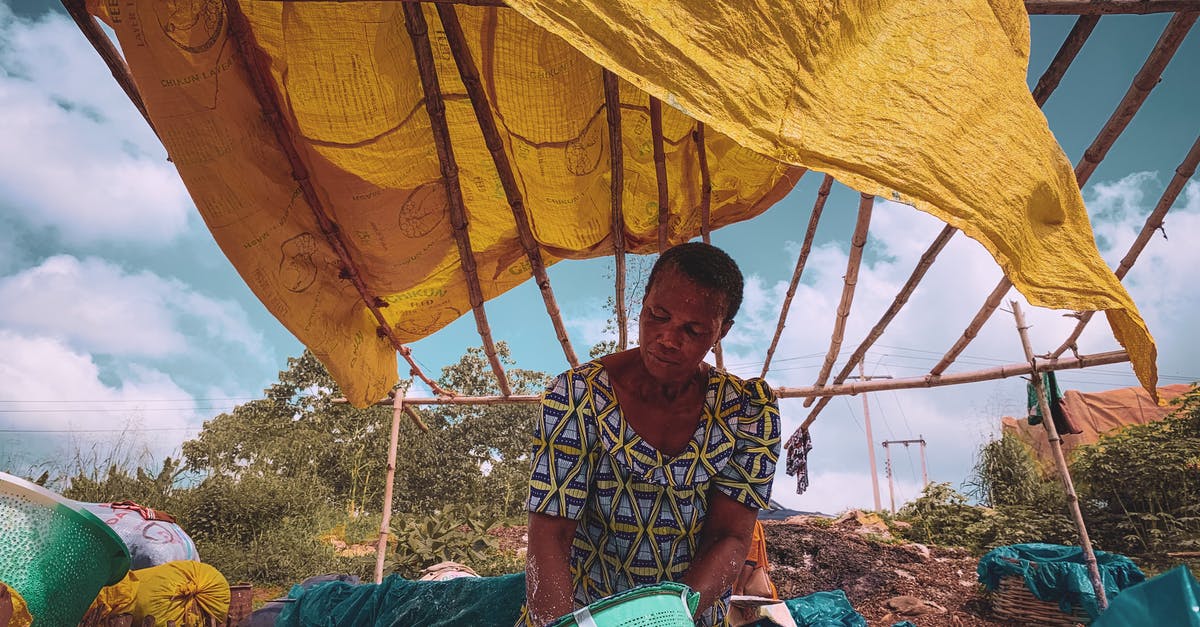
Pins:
x,y
56,554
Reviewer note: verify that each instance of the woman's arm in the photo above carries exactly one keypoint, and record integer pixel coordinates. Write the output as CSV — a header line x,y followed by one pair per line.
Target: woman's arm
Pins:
x,y
549,591
724,544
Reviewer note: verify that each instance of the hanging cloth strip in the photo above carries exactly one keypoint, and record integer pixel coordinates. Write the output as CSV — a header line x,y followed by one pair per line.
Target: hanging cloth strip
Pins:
x,y
797,460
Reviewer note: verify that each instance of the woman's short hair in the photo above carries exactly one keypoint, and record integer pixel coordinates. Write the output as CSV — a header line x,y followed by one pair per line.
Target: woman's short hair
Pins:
x,y
709,266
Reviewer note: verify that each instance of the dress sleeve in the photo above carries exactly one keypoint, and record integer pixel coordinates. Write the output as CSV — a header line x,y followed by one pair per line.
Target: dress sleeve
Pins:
x,y
748,475
560,468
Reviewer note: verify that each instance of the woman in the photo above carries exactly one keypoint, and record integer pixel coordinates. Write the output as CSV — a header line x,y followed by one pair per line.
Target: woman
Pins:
x,y
648,464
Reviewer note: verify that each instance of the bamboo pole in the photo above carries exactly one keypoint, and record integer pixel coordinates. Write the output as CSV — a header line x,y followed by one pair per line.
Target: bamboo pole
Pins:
x,y
801,261
1066,54
257,70
416,418
612,106
389,482
705,185
974,376
418,32
706,211
660,172
902,297
1145,80
508,180
1108,7
857,242
1154,222
1060,461
103,46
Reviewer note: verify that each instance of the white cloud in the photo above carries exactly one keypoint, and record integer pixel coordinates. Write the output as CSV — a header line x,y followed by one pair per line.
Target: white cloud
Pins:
x,y
99,307
77,157
954,420
144,416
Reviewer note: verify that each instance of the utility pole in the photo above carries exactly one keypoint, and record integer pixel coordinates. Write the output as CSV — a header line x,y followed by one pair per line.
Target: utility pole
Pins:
x,y
870,440
924,474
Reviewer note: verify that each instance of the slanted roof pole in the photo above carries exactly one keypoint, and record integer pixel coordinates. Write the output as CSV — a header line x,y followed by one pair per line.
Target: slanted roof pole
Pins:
x,y
706,210
902,297
258,71
854,260
1145,80
813,219
1154,222
660,173
491,137
418,32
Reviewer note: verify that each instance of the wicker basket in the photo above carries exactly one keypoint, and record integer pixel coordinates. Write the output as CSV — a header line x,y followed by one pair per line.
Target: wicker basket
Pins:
x,y
1013,601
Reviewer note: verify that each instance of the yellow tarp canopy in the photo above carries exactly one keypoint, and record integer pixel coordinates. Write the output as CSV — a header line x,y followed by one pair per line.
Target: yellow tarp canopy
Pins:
x,y
924,103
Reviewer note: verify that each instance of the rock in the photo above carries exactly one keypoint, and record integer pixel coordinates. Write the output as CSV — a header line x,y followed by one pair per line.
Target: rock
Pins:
x,y
920,550
900,525
906,605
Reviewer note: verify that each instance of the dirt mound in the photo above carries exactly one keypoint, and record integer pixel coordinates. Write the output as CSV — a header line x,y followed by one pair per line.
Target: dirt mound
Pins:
x,y
885,581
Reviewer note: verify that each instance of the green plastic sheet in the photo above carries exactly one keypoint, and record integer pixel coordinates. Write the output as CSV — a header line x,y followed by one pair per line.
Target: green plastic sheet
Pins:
x,y
1058,574
821,609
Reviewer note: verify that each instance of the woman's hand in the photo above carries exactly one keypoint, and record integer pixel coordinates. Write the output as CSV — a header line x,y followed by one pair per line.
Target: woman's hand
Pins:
x,y
549,591
724,544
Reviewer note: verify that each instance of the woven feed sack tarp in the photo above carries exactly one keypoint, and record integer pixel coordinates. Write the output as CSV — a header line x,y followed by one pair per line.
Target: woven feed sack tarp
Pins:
x,y
1058,574
185,592
919,102
352,116
893,98
475,601
151,542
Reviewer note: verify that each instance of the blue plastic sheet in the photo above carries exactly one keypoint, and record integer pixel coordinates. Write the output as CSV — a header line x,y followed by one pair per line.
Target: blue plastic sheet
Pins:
x,y
821,609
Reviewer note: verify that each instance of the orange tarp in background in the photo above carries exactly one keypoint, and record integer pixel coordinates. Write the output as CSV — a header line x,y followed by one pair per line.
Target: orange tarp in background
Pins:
x,y
921,102
1097,413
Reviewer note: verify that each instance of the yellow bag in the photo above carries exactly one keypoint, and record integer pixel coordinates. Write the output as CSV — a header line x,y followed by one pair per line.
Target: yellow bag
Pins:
x,y
20,613
184,591
114,600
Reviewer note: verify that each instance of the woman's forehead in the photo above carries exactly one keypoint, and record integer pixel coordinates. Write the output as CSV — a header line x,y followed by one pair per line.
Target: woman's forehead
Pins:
x,y
674,290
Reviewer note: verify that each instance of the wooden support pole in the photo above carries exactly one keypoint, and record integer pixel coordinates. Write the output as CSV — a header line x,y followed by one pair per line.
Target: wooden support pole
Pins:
x,y
1154,222
435,106
1060,460
389,481
112,58
1066,54
871,445
706,211
508,180
856,358
258,71
891,484
854,260
974,376
705,185
1145,80
616,152
805,248
1108,7
660,173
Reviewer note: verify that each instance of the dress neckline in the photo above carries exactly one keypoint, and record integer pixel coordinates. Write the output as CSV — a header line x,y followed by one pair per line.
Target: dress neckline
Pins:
x,y
711,384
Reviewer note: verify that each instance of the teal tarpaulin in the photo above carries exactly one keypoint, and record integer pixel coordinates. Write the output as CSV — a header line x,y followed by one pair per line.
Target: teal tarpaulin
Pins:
x,y
1172,598
1058,574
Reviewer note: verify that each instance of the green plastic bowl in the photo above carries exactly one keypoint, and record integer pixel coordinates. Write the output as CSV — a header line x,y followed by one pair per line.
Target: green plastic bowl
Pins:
x,y
53,552
665,604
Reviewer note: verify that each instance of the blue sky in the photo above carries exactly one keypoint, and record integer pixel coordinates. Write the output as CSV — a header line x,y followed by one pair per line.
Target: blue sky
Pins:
x,y
118,312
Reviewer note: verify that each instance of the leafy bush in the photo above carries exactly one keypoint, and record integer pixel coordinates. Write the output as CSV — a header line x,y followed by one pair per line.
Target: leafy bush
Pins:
x,y
457,533
1139,486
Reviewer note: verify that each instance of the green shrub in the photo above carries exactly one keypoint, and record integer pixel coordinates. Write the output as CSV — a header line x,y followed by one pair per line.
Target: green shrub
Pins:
x,y
457,533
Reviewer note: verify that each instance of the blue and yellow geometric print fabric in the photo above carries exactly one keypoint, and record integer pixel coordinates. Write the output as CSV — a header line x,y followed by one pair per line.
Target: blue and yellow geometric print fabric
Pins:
x,y
640,511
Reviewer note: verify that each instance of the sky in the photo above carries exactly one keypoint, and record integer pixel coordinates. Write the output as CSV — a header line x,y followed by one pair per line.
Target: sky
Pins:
x,y
123,327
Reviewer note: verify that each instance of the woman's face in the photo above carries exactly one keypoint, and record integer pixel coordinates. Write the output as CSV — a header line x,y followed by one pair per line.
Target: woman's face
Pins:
x,y
680,322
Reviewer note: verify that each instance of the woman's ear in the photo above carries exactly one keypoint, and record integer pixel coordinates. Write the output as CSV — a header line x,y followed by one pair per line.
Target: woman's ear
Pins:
x,y
725,326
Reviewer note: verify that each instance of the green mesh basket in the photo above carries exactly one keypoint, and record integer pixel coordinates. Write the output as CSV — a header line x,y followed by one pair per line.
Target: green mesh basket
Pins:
x,y
666,604
56,554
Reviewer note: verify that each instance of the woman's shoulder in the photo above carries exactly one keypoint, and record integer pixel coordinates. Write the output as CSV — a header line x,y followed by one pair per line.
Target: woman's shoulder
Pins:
x,y
755,389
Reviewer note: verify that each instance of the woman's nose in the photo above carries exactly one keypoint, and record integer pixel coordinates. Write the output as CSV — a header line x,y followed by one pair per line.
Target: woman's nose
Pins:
x,y
669,339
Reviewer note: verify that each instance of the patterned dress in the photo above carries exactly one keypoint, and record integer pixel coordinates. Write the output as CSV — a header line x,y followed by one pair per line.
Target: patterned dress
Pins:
x,y
640,512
